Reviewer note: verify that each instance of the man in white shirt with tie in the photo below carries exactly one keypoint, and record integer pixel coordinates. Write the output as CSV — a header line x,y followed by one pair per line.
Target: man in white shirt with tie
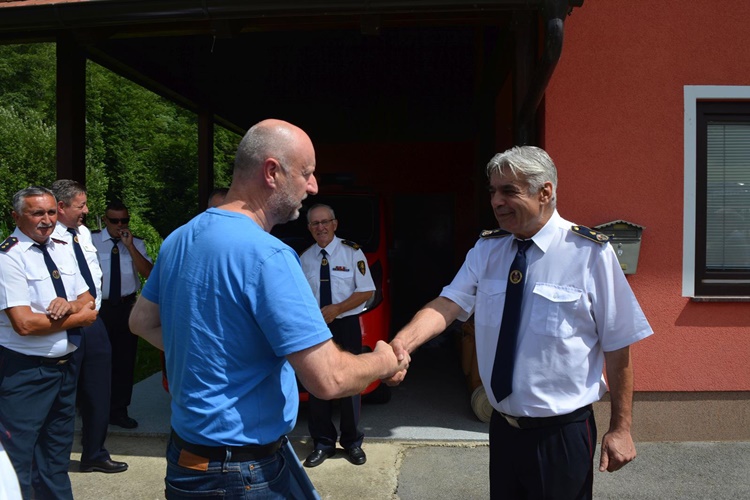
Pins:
x,y
340,279
44,303
93,359
119,250
551,305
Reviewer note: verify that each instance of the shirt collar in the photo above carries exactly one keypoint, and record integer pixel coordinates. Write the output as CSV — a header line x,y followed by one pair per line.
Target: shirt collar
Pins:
x,y
25,242
332,246
543,238
62,230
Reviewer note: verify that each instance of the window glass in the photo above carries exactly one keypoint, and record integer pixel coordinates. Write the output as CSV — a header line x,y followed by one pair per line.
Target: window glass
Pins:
x,y
728,196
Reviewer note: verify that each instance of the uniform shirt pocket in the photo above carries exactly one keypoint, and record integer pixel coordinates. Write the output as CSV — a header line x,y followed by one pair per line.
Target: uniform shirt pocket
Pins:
x,y
490,302
554,309
342,279
41,289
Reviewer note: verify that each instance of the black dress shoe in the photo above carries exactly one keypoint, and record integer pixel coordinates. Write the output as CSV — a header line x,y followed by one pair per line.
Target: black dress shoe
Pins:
x,y
317,457
108,466
357,455
123,421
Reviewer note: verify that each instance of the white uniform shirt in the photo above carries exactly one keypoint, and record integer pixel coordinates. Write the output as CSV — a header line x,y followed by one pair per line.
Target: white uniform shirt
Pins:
x,y
577,304
349,272
26,281
129,280
89,252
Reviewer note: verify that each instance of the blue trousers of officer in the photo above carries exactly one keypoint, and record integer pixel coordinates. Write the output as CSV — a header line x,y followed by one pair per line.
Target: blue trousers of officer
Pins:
x,y
348,335
93,364
37,407
555,462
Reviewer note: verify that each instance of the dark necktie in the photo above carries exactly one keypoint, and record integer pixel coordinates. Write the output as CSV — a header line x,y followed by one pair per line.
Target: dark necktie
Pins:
x,y
74,334
325,281
82,264
505,355
114,273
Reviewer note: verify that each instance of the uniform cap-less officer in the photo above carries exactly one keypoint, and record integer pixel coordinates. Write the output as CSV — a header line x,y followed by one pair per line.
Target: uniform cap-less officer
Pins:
x,y
561,289
44,300
119,250
93,360
340,278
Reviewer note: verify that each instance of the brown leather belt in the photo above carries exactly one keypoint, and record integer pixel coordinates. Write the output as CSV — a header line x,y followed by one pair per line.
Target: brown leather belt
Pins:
x,y
247,453
536,422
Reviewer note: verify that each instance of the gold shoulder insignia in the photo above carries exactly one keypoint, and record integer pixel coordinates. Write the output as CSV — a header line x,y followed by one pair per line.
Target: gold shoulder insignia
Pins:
x,y
9,243
494,233
361,267
350,244
590,234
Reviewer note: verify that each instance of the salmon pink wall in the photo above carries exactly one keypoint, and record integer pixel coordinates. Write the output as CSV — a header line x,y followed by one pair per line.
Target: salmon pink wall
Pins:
x,y
614,126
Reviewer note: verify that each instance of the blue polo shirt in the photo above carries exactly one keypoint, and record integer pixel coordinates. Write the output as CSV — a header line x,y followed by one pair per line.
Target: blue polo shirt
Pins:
x,y
233,303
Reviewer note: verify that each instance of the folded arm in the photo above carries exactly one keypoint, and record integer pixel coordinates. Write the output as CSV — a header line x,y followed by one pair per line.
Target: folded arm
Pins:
x,y
61,315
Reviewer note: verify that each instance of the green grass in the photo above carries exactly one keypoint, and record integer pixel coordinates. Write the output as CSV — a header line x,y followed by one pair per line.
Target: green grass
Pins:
x,y
147,361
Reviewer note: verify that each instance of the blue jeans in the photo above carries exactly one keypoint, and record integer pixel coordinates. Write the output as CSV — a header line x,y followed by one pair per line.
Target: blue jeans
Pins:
x,y
192,478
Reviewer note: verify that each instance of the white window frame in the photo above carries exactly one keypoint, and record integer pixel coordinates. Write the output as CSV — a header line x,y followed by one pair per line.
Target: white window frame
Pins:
x,y
692,94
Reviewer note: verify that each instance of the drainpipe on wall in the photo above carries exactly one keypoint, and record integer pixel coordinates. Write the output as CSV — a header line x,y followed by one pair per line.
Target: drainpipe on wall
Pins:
x,y
554,13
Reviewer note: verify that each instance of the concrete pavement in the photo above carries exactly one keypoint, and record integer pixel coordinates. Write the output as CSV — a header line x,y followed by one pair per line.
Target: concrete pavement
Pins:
x,y
424,444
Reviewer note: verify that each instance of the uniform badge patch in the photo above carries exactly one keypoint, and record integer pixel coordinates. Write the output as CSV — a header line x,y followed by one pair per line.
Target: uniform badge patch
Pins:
x,y
9,243
361,267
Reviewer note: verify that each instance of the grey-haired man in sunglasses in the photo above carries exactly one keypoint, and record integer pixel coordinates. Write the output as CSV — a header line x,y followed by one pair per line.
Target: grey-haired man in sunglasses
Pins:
x,y
123,260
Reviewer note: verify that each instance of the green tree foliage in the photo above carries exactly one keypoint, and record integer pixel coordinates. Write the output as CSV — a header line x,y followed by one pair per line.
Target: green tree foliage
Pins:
x,y
27,122
140,148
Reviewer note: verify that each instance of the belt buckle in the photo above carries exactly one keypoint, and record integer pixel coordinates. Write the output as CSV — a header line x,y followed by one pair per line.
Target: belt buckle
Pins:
x,y
513,421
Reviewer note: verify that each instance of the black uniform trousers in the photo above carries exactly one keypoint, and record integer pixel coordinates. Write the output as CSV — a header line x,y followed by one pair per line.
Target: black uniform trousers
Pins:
x,y
37,407
124,349
93,364
553,462
347,334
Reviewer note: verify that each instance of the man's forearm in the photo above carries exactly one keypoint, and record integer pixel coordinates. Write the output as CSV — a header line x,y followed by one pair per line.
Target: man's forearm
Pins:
x,y
353,301
142,265
428,323
330,373
26,322
620,380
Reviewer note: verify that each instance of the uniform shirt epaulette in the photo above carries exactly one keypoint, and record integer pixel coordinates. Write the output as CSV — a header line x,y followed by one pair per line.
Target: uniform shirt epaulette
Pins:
x,y
494,233
9,243
590,234
61,242
96,231
350,244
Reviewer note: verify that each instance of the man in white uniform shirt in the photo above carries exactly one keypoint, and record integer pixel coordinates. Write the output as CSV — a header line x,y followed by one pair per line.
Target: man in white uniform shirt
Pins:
x,y
119,249
93,359
340,279
44,303
550,305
